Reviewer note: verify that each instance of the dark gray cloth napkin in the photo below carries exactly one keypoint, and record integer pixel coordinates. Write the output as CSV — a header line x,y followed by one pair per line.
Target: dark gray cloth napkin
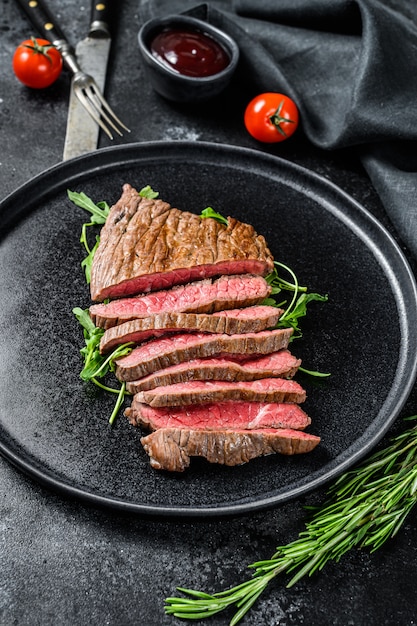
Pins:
x,y
351,67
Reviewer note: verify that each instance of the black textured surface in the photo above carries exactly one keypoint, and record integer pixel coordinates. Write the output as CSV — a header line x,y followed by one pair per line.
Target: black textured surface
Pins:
x,y
65,562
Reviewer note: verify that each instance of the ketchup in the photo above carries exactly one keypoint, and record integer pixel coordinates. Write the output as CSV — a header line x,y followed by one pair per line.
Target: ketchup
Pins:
x,y
189,52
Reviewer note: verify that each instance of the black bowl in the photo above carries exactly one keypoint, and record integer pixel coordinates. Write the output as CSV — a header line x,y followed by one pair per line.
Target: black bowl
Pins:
x,y
177,86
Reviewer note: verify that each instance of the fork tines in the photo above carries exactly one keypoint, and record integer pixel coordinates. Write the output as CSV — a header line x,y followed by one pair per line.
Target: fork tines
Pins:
x,y
98,108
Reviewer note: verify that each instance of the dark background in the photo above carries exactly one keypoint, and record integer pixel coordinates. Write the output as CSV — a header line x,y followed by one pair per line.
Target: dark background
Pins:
x,y
63,562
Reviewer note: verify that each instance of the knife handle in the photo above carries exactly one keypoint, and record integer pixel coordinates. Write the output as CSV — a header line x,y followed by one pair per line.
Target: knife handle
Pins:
x,y
43,20
101,17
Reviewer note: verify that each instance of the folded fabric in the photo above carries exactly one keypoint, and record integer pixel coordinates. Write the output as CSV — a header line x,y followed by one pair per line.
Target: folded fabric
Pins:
x,y
351,67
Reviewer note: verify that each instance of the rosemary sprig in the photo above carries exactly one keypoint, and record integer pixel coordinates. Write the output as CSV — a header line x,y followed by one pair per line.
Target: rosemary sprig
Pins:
x,y
364,508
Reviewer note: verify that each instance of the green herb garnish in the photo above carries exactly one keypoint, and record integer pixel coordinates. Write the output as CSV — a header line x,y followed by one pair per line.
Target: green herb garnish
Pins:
x,y
209,212
298,304
99,213
95,364
92,336
297,307
364,508
148,192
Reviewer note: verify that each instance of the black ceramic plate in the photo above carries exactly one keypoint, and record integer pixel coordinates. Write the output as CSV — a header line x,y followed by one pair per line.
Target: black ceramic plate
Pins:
x,y
55,428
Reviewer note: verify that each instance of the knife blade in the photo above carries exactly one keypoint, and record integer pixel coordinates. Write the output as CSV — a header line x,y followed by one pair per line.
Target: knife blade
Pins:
x,y
92,54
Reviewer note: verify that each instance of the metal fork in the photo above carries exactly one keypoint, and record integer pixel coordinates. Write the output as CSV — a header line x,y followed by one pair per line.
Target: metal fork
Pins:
x,y
85,86
89,94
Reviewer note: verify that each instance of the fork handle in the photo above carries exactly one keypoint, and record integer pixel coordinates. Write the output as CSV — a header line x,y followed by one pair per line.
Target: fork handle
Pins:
x,y
43,20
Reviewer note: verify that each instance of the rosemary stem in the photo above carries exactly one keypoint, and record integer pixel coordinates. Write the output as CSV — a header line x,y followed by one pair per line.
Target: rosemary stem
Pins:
x,y
364,508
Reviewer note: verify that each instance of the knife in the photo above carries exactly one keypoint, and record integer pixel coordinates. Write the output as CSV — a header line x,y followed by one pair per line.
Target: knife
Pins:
x,y
92,54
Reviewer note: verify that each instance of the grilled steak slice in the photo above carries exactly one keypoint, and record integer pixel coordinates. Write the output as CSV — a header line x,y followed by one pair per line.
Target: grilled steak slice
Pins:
x,y
219,415
146,245
171,448
236,321
206,391
206,296
159,353
278,364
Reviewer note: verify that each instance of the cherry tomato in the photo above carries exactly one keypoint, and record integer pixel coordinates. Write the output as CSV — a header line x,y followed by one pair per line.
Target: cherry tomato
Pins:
x,y
271,117
37,63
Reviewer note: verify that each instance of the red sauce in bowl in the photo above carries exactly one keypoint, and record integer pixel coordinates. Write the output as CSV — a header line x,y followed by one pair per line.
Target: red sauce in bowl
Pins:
x,y
189,52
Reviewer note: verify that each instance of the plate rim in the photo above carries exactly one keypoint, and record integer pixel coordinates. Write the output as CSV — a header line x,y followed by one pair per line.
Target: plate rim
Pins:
x,y
91,162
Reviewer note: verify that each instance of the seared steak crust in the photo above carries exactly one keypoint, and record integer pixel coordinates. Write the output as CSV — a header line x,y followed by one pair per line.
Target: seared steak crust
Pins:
x,y
219,415
206,296
203,391
278,364
160,353
171,448
147,245
236,321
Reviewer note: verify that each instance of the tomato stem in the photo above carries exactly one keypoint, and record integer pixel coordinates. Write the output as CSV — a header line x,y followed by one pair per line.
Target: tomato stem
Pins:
x,y
276,119
37,47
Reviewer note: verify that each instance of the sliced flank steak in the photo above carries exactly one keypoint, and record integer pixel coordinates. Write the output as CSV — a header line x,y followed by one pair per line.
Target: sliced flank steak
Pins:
x,y
219,415
236,321
277,364
207,391
210,373
171,449
165,351
146,245
206,296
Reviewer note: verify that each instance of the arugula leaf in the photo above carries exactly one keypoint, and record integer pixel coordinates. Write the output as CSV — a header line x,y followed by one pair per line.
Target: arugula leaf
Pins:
x,y
314,373
99,211
277,283
290,319
83,316
87,262
92,336
298,305
209,212
272,302
148,192
95,364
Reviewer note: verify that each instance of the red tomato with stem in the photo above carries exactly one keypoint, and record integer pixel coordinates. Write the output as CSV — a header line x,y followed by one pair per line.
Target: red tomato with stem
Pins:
x,y
37,63
271,117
